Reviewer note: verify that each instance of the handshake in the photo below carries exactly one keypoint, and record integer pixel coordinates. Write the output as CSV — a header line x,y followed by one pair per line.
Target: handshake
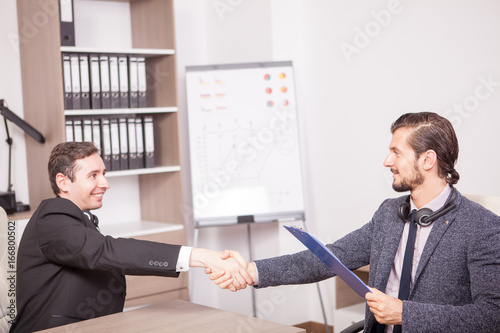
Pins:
x,y
228,269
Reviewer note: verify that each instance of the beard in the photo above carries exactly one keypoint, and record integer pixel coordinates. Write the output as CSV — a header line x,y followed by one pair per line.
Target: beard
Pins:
x,y
408,184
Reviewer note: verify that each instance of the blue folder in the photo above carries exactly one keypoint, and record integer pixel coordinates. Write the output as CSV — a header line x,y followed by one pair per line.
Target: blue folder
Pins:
x,y
325,255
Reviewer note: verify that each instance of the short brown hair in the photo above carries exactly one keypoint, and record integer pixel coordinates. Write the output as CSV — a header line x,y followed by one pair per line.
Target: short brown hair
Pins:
x,y
430,131
63,157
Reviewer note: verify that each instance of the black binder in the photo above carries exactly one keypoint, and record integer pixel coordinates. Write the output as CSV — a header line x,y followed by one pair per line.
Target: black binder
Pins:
x,y
87,130
84,81
106,144
114,81
133,82
139,135
132,144
77,130
123,70
66,18
96,134
123,127
69,131
95,81
75,82
104,69
141,81
68,97
115,144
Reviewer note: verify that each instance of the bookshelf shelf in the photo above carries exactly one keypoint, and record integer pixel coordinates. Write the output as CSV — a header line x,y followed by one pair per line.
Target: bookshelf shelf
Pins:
x,y
129,111
148,53
146,171
160,189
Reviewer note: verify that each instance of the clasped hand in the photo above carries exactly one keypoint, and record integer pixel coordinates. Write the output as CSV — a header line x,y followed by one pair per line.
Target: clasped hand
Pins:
x,y
227,269
229,280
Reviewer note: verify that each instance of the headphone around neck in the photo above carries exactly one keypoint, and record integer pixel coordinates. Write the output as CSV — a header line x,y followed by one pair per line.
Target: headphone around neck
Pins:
x,y
426,216
92,218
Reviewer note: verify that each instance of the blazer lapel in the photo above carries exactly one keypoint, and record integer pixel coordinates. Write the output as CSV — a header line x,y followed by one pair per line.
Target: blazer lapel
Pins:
x,y
388,253
438,230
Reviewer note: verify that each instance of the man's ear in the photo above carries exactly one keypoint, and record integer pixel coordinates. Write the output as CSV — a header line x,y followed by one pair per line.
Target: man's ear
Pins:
x,y
429,160
62,182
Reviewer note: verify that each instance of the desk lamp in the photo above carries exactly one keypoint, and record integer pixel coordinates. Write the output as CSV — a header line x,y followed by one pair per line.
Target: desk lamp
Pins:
x,y
8,199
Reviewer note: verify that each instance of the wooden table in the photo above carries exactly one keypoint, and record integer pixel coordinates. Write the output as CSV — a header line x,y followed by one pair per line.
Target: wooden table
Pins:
x,y
176,316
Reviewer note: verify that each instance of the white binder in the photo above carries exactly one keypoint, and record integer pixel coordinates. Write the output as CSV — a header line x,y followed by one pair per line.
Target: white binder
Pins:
x,y
84,81
104,68
114,82
75,81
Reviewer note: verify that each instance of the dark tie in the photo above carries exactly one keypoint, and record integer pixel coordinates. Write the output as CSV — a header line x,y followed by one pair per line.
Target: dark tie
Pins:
x,y
404,284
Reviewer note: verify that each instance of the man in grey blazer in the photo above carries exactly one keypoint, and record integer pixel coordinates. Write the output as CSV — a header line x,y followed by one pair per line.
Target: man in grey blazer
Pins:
x,y
68,271
453,277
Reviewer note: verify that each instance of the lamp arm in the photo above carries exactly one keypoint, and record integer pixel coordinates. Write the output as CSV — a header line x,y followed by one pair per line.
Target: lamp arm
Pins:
x,y
27,128
9,142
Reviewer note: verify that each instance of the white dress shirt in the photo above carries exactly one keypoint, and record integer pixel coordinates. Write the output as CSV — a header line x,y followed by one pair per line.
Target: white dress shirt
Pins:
x,y
183,259
392,288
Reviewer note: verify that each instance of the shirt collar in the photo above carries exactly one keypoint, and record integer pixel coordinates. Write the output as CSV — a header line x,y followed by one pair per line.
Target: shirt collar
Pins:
x,y
438,201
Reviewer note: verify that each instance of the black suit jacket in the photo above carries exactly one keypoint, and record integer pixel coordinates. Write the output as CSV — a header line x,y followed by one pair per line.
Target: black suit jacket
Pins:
x,y
68,271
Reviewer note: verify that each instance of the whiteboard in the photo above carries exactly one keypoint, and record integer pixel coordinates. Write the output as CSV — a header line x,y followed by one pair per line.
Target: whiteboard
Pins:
x,y
244,143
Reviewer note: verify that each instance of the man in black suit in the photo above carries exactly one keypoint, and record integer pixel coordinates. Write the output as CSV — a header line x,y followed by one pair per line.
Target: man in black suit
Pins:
x,y
68,271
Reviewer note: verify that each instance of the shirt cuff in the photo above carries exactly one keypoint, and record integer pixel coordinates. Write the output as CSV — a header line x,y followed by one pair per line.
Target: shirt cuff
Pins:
x,y
256,282
183,259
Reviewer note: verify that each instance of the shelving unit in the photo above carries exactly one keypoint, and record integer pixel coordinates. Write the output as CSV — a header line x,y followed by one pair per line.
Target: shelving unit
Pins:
x,y
109,112
160,188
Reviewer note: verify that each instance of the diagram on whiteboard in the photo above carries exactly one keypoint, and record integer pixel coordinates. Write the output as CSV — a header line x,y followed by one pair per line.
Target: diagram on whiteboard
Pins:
x,y
244,144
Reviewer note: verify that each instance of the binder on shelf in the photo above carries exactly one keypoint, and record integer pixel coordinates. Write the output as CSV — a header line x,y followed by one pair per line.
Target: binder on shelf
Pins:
x,y
106,144
87,130
95,82
141,82
96,135
84,81
123,127
132,144
123,73
104,69
133,82
75,81
114,80
139,135
115,144
149,145
67,25
77,130
69,131
68,97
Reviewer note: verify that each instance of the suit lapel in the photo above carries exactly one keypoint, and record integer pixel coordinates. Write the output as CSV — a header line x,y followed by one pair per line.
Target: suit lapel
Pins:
x,y
388,254
438,230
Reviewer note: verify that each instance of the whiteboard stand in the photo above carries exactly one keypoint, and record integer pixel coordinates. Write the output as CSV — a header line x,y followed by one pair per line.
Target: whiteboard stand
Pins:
x,y
250,256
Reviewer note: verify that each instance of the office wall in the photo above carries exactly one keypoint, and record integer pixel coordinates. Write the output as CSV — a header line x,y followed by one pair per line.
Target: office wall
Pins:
x,y
10,91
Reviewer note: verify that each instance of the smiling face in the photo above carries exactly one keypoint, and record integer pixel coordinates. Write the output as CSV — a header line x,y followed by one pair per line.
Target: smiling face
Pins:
x,y
403,163
89,185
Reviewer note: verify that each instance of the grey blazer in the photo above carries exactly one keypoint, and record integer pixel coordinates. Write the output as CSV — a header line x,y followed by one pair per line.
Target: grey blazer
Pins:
x,y
457,283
